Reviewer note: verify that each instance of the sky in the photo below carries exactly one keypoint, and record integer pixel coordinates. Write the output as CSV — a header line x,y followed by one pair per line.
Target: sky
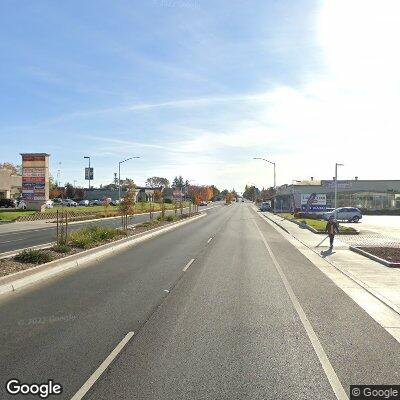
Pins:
x,y
200,87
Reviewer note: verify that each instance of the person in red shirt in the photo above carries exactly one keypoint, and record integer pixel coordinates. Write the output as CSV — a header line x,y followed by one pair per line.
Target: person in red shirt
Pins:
x,y
332,228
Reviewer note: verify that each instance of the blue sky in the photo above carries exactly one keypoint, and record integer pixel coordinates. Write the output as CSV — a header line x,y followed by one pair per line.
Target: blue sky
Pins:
x,y
197,87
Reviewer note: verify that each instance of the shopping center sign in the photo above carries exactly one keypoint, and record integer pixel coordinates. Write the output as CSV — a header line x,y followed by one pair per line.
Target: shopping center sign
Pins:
x,y
35,179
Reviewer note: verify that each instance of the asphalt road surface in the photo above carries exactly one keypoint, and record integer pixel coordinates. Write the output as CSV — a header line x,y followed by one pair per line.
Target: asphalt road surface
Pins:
x,y
250,318
12,241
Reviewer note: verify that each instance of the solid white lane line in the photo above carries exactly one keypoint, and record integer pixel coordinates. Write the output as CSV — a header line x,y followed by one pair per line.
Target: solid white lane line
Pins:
x,y
319,350
188,265
103,366
209,240
13,240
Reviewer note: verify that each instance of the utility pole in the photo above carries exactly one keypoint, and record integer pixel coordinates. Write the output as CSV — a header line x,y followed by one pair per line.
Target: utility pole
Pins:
x,y
336,184
274,164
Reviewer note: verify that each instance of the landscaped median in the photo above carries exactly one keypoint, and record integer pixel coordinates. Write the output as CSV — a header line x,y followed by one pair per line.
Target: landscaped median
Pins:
x,y
316,225
389,256
82,246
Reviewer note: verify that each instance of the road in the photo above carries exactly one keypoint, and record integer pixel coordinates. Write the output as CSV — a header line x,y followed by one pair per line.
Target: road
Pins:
x,y
14,240
250,318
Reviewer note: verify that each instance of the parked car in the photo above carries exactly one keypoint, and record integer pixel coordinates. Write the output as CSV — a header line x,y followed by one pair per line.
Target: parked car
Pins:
x,y
84,203
57,201
114,202
49,204
70,203
8,203
350,214
95,203
21,204
265,206
203,203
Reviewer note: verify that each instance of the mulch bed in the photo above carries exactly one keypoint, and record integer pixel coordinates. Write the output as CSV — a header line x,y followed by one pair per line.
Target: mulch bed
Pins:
x,y
391,254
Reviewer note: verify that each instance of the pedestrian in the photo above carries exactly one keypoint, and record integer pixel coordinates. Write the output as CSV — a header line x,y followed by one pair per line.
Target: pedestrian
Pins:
x,y
332,227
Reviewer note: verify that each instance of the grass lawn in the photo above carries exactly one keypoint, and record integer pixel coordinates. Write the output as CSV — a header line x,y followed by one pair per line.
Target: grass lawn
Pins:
x,y
317,224
12,215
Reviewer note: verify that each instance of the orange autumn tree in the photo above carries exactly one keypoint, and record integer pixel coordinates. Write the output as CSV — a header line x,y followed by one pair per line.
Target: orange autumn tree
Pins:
x,y
229,197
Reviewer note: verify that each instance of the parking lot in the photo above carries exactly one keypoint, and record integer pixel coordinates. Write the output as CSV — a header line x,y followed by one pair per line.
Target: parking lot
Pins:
x,y
376,230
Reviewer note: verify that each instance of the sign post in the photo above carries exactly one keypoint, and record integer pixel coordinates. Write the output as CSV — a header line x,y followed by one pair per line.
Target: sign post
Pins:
x,y
35,180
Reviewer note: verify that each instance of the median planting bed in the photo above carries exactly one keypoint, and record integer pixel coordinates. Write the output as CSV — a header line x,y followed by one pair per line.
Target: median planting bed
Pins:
x,y
317,224
389,256
78,241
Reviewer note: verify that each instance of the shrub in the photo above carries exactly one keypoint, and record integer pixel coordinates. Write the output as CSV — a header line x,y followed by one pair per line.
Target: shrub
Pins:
x,y
91,235
34,256
170,218
168,201
61,248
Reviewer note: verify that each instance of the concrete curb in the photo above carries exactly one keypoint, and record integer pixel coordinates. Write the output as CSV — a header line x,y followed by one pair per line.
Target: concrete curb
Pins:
x,y
276,223
375,258
13,253
10,283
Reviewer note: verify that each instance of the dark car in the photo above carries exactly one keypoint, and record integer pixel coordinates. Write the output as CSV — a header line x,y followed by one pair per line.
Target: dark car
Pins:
x,y
7,203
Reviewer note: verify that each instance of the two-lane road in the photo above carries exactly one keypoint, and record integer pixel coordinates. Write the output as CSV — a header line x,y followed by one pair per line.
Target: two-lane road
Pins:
x,y
11,241
249,318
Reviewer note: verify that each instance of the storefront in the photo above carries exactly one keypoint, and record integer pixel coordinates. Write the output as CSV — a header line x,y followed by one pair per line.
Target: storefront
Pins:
x,y
367,194
10,184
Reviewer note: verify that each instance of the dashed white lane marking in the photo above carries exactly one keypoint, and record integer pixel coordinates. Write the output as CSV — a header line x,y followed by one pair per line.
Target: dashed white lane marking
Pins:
x,y
188,265
209,240
316,344
103,366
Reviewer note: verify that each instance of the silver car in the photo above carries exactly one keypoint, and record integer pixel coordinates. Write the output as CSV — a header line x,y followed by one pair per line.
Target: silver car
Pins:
x,y
350,214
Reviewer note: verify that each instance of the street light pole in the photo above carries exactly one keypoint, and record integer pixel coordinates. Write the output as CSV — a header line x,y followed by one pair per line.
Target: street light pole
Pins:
x,y
336,184
89,168
119,176
274,164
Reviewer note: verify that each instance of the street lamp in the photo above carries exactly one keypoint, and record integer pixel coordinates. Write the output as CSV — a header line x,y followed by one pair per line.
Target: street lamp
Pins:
x,y
336,184
119,175
274,164
87,157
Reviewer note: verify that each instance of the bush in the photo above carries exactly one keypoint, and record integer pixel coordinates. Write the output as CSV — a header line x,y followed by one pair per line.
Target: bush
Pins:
x,y
61,248
91,235
168,201
170,218
308,215
34,256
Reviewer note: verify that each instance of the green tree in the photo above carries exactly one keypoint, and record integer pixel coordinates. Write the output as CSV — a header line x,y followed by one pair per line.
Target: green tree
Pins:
x,y
69,191
178,182
157,181
14,168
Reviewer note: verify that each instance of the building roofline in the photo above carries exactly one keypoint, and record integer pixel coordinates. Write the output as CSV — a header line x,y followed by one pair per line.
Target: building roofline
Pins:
x,y
34,154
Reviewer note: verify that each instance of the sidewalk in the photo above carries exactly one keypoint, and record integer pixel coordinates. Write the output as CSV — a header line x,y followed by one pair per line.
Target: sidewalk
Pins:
x,y
382,282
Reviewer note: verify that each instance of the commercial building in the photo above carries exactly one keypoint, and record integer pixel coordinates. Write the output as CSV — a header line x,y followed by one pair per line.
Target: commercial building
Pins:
x,y
367,194
10,184
142,193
